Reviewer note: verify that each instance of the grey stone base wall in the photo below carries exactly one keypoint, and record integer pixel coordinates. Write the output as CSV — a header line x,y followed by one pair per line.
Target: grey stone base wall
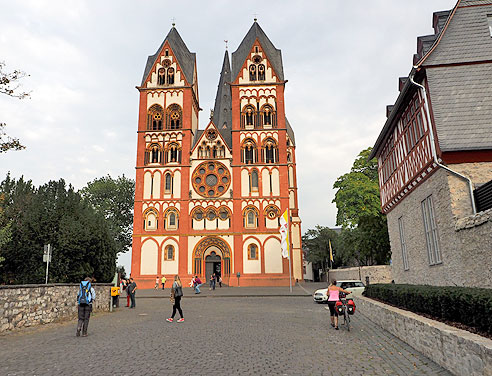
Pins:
x,y
459,351
465,243
376,273
28,305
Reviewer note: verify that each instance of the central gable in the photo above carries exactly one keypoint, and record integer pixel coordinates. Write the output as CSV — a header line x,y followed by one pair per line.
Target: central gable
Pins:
x,y
256,37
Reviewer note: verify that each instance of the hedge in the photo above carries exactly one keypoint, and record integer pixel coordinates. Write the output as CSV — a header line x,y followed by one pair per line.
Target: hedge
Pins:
x,y
465,305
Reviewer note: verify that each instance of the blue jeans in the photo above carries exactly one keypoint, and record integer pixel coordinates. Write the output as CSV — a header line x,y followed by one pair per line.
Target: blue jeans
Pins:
x,y
197,288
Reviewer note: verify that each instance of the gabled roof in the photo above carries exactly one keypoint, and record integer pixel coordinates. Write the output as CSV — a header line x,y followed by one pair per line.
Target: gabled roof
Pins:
x,y
185,58
290,131
274,55
222,117
200,132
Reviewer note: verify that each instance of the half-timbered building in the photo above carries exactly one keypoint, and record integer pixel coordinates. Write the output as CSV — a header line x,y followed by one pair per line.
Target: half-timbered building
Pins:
x,y
435,149
209,200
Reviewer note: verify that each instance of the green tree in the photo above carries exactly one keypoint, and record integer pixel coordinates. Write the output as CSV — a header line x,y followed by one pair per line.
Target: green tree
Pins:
x,y
114,199
364,237
9,85
315,244
55,214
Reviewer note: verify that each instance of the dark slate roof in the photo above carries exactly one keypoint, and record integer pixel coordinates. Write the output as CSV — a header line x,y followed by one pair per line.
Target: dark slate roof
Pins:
x,y
274,56
198,134
290,131
223,102
462,106
467,37
185,58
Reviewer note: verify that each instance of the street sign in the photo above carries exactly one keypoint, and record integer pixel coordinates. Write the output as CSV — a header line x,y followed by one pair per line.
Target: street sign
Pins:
x,y
47,253
47,250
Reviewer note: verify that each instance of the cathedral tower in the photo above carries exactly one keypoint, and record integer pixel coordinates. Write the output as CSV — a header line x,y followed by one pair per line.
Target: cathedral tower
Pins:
x,y
209,201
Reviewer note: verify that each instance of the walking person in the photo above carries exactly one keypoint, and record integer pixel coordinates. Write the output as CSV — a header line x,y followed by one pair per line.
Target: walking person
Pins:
x,y
198,283
220,281
126,282
176,295
212,282
163,281
85,298
333,293
156,286
131,289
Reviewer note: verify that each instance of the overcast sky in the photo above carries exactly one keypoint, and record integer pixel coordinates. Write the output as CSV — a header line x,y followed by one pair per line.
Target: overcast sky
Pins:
x,y
342,60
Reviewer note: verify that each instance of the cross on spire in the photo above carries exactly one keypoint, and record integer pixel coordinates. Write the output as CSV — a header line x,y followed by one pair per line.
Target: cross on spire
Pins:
x,y
225,40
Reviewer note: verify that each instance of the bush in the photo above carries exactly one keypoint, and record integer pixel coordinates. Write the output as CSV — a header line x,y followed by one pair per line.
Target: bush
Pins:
x,y
465,305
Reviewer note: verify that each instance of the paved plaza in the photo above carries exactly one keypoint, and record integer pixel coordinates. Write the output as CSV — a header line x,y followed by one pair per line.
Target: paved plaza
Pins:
x,y
222,335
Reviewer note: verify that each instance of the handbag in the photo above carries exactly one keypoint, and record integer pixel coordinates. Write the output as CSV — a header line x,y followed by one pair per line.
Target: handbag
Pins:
x,y
178,291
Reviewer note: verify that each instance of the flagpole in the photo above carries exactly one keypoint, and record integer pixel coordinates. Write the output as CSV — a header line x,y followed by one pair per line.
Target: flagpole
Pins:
x,y
290,267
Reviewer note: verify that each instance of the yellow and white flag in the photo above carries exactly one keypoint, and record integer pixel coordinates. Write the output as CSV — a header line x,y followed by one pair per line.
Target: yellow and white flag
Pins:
x,y
331,251
284,233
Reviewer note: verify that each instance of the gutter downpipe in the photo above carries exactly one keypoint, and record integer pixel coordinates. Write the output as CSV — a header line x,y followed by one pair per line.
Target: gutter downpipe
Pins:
x,y
433,145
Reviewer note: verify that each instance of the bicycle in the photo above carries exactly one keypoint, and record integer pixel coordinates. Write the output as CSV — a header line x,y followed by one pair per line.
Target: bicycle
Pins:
x,y
345,309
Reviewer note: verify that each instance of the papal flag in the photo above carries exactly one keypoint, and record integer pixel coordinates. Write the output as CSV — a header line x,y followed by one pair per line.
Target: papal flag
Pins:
x,y
331,250
284,233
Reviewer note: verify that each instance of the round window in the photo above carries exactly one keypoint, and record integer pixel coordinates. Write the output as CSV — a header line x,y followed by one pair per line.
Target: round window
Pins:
x,y
211,179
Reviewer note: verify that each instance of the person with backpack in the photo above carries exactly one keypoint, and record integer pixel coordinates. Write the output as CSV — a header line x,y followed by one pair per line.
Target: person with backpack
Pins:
x,y
176,295
85,298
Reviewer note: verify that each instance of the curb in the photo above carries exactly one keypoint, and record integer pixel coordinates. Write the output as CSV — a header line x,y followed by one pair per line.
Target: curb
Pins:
x,y
229,296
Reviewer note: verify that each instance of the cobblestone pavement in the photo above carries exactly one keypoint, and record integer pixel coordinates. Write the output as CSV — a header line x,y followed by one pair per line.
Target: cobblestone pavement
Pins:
x,y
223,336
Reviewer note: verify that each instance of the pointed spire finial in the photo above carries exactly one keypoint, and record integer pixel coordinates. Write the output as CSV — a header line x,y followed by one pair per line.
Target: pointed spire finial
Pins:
x,y
174,21
225,40
256,17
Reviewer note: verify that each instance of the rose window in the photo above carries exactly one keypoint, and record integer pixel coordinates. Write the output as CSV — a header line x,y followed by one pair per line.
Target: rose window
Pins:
x,y
211,134
211,179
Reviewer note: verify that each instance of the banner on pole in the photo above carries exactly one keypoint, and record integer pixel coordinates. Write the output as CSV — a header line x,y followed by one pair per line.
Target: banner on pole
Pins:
x,y
331,251
284,233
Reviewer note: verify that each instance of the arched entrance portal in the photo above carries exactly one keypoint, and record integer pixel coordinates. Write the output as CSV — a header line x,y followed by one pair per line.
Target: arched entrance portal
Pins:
x,y
212,255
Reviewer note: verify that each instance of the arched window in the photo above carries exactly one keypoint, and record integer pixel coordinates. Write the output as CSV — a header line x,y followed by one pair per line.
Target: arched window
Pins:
x,y
153,154
270,151
252,72
250,218
200,152
222,151
168,183
254,180
170,76
268,116
214,152
252,252
249,153
161,76
173,153
155,116
150,220
248,117
169,253
171,222
261,72
174,116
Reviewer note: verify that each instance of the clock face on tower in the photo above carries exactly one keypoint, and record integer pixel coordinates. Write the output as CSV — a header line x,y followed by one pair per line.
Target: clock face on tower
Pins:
x,y
211,179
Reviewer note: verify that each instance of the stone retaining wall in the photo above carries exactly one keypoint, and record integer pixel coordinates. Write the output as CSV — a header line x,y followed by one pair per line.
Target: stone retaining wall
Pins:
x,y
376,273
459,351
28,305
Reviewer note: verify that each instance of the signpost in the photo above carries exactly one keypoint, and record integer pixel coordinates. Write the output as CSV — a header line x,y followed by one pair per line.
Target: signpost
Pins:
x,y
47,258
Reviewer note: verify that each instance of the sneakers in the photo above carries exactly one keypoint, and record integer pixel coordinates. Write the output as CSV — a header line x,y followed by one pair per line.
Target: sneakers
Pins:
x,y
181,320
170,319
78,333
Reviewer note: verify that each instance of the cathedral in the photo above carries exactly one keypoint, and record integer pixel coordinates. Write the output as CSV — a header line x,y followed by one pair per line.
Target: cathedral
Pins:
x,y
210,200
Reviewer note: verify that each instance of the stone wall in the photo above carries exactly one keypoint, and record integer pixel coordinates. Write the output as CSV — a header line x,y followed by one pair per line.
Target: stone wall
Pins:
x,y
28,305
465,253
376,274
459,351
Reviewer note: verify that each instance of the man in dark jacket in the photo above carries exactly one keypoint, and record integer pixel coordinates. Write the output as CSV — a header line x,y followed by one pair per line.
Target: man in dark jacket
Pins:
x,y
131,289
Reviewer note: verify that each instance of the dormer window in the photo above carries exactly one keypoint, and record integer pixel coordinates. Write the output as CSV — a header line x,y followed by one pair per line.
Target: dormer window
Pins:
x,y
161,77
252,72
170,76
489,19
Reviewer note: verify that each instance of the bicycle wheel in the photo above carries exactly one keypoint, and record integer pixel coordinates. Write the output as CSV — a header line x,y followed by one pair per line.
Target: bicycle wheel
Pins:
x,y
347,319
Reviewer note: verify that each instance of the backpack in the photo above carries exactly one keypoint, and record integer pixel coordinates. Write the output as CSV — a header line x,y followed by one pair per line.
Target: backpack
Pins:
x,y
84,297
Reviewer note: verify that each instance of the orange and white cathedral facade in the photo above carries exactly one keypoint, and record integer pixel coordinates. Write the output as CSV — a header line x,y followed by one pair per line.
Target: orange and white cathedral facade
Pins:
x,y
209,200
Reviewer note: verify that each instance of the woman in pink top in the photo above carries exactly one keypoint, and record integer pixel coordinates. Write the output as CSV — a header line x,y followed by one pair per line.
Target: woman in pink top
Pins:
x,y
333,293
